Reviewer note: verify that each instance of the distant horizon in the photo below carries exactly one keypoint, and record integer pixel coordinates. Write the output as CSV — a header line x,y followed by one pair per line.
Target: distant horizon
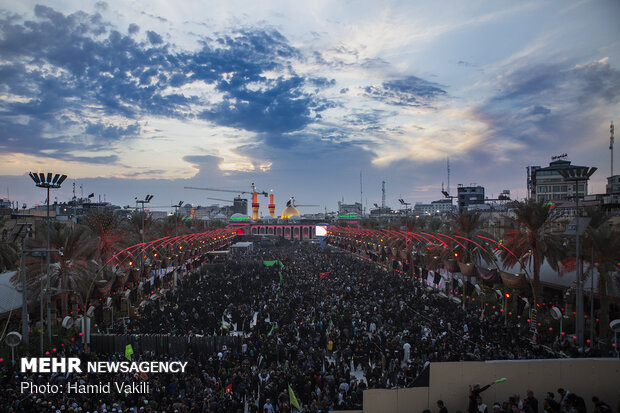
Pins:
x,y
146,98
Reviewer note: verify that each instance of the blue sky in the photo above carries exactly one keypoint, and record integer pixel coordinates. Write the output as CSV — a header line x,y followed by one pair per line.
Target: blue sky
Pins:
x,y
137,97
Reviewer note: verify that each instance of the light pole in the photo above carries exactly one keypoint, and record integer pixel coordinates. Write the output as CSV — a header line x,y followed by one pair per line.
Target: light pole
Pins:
x,y
48,181
406,204
176,224
578,174
25,329
146,200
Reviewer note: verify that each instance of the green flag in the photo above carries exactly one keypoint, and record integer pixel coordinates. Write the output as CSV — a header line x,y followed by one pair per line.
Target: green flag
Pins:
x,y
292,398
272,263
271,331
128,351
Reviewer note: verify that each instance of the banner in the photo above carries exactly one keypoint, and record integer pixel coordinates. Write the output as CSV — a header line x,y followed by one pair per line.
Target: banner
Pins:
x,y
272,263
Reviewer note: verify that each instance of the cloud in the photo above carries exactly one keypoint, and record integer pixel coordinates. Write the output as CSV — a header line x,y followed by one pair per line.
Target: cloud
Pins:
x,y
62,73
538,104
409,91
154,38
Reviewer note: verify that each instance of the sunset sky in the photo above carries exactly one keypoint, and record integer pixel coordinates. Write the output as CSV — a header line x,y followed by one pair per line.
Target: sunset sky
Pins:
x,y
136,97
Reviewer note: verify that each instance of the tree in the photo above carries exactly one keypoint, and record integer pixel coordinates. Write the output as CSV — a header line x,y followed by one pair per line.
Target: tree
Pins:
x,y
604,243
532,241
105,225
468,224
134,226
69,263
9,251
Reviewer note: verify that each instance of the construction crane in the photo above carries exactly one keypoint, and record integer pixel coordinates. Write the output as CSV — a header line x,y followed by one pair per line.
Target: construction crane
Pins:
x,y
229,190
254,192
291,201
220,199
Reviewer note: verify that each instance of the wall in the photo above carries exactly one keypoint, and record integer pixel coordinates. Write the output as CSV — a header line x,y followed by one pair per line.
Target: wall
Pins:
x,y
449,382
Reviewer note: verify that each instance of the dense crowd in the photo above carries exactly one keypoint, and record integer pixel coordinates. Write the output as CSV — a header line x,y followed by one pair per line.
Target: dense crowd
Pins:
x,y
565,402
328,324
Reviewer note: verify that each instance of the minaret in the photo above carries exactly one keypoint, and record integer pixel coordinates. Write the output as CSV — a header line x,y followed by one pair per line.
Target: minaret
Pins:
x,y
255,204
272,205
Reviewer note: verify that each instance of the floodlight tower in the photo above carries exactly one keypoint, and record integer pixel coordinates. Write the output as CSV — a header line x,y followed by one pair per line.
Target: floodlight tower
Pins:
x,y
146,200
578,174
48,181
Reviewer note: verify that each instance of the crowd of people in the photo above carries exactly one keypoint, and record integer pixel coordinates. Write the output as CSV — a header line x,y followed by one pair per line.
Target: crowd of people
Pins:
x,y
565,402
327,324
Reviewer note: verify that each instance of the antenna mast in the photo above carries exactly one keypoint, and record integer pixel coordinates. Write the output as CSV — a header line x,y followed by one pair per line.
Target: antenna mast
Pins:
x,y
448,167
361,196
382,194
611,146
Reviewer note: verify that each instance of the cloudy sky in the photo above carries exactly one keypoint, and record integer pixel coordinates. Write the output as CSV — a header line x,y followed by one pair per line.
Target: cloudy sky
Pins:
x,y
136,97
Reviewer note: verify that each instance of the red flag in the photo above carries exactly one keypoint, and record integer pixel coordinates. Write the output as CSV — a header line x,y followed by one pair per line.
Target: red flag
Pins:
x,y
229,389
324,274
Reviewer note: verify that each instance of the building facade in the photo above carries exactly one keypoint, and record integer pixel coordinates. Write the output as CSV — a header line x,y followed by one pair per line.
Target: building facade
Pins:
x,y
349,209
548,184
469,195
442,206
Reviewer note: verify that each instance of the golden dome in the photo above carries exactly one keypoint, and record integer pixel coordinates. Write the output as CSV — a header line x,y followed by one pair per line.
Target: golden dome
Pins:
x,y
289,211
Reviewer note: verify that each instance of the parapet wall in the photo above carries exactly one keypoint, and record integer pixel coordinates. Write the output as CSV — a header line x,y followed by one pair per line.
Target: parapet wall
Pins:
x,y
449,382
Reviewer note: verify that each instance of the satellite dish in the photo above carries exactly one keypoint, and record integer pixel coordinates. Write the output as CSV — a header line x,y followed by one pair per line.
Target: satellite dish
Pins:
x,y
442,295
499,294
615,325
67,322
91,311
13,339
478,289
108,302
456,300
557,314
460,282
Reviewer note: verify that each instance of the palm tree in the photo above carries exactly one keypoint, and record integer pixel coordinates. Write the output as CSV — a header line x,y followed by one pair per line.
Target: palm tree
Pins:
x,y
468,224
604,243
134,226
105,225
9,251
69,263
532,241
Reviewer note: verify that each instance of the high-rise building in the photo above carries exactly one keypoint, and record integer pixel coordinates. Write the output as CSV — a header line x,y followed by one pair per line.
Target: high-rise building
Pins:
x,y
469,195
548,184
240,205
613,185
350,209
